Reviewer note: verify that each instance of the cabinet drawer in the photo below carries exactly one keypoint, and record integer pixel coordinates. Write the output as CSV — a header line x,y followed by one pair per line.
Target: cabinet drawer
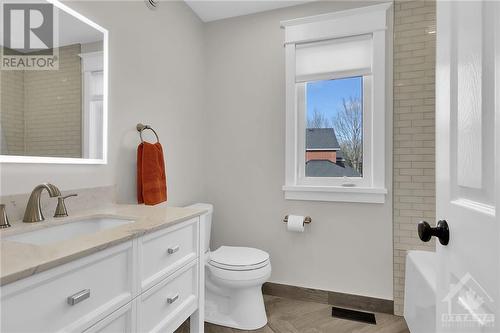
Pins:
x,y
120,321
42,302
166,305
165,251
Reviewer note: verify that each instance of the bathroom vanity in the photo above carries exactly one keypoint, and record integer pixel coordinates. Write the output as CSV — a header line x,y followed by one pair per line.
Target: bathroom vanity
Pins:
x,y
126,268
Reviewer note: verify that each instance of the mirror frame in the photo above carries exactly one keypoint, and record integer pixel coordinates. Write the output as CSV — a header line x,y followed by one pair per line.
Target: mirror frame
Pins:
x,y
68,160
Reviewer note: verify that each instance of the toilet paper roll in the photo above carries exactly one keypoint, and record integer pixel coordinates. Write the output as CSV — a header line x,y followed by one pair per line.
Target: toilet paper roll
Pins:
x,y
295,223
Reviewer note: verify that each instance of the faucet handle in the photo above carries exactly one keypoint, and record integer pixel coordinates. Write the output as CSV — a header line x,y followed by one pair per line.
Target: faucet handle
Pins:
x,y
61,210
4,220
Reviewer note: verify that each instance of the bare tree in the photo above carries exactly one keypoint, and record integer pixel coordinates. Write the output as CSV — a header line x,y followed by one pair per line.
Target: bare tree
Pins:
x,y
317,120
348,125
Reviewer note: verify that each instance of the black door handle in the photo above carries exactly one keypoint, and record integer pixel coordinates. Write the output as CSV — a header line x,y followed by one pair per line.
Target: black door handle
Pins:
x,y
441,231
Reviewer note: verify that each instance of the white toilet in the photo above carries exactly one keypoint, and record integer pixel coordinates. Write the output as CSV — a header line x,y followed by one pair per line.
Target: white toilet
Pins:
x,y
233,283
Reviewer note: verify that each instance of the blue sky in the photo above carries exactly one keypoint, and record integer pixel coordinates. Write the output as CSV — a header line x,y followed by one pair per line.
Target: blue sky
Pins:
x,y
326,96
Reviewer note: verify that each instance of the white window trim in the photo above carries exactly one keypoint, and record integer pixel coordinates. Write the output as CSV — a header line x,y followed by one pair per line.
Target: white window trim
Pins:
x,y
91,62
372,188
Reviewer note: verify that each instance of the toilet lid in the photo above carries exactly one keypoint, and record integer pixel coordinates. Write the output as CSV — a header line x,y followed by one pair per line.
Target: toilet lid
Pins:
x,y
234,256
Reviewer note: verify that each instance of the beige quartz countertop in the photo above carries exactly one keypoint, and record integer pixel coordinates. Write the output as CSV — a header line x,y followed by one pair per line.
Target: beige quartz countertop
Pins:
x,y
20,260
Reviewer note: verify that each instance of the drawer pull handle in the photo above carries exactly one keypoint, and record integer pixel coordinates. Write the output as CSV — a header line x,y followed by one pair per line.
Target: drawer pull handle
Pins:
x,y
78,297
172,299
172,250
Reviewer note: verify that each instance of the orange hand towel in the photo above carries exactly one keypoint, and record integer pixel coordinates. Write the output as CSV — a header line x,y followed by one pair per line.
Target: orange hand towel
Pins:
x,y
151,177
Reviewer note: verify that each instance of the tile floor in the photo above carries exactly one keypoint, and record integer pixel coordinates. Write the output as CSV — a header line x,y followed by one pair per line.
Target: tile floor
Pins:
x,y
291,316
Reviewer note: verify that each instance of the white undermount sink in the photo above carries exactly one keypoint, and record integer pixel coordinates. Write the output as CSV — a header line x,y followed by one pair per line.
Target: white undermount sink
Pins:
x,y
68,230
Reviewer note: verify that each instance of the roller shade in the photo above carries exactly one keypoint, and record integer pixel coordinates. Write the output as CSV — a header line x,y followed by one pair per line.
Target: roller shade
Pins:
x,y
337,58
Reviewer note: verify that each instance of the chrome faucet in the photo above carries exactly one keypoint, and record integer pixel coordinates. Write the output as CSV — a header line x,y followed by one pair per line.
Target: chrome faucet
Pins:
x,y
33,211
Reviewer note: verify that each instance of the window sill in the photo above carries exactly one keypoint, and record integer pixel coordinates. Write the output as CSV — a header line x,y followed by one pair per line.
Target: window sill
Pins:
x,y
335,193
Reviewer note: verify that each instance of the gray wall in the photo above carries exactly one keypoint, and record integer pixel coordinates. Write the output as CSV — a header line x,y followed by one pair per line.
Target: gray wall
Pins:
x,y
227,148
348,246
156,61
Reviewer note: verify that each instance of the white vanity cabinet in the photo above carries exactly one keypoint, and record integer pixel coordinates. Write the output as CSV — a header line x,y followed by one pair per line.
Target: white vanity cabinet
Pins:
x,y
165,251
122,320
165,306
149,284
39,303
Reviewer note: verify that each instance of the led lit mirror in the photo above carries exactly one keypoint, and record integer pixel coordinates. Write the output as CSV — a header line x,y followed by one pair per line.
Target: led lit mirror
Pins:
x,y
53,85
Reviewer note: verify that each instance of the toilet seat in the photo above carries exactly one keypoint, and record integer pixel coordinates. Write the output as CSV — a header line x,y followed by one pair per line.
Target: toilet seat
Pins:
x,y
238,278
235,258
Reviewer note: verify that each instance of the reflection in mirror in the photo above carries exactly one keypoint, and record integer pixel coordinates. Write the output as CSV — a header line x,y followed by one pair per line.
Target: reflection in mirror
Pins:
x,y
59,111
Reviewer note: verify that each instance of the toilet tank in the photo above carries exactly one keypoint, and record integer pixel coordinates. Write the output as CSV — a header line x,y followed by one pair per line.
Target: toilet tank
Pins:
x,y
208,220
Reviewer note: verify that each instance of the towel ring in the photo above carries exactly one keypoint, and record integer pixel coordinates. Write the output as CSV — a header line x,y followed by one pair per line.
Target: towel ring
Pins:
x,y
141,127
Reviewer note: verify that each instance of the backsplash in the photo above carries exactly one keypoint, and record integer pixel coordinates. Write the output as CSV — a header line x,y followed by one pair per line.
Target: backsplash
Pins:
x,y
87,198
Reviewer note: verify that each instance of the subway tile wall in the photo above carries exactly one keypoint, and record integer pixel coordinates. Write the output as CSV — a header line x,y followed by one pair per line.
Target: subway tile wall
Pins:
x,y
41,110
12,112
53,107
414,131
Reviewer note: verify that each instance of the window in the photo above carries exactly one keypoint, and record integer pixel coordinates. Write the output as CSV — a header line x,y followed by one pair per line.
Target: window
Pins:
x,y
334,128
337,102
92,104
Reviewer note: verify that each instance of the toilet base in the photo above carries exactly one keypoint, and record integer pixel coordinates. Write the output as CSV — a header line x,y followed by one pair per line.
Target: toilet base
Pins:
x,y
242,309
239,308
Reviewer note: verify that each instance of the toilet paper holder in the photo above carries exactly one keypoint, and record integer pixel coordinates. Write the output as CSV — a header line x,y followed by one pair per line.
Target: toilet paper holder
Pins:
x,y
307,219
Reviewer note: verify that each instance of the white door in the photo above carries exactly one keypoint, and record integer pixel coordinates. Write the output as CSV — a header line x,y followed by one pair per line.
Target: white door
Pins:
x,y
468,165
